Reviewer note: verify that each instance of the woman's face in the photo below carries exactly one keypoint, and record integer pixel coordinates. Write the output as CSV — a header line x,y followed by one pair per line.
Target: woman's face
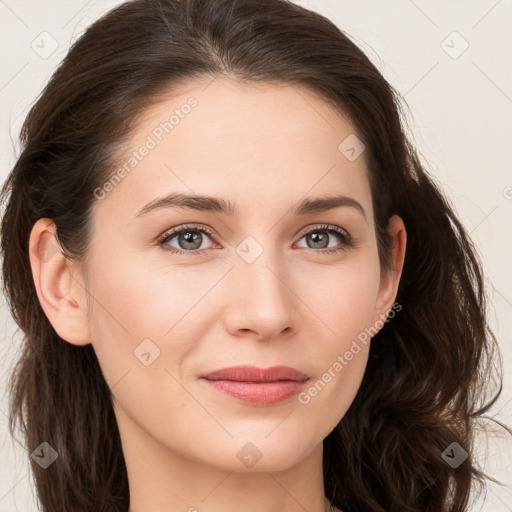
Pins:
x,y
269,284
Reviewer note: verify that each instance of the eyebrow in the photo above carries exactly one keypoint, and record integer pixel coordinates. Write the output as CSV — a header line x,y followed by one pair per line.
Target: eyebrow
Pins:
x,y
218,205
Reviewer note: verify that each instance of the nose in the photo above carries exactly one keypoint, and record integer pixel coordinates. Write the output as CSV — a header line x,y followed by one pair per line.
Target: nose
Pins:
x,y
261,302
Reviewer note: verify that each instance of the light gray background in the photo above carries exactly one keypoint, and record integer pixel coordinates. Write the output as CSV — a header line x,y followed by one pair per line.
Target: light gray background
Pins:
x,y
461,121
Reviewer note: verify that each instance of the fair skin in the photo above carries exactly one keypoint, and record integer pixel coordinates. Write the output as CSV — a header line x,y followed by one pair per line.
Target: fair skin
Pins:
x,y
265,149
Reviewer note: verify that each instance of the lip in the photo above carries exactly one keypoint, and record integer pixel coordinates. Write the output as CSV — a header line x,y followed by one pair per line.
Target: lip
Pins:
x,y
255,374
256,385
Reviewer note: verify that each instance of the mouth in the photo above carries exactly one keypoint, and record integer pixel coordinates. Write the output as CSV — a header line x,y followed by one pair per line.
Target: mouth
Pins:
x,y
257,386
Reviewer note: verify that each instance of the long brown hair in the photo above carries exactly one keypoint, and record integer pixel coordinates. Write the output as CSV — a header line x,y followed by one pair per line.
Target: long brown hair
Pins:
x,y
430,368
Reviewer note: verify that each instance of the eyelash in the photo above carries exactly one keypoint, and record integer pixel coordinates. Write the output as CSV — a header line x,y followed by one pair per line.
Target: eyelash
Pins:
x,y
346,239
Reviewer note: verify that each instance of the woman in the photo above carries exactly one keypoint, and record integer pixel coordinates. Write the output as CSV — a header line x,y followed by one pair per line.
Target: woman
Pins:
x,y
238,286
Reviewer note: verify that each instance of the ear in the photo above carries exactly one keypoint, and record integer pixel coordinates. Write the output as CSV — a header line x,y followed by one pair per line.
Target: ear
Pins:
x,y
59,285
390,278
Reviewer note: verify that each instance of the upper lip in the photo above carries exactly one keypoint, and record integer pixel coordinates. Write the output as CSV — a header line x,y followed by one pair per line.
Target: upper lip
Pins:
x,y
254,374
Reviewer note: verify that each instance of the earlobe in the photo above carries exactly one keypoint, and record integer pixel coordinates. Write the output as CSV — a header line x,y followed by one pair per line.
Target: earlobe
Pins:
x,y
60,295
390,278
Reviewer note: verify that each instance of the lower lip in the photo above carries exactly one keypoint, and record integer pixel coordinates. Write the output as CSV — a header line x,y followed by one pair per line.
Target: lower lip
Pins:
x,y
258,393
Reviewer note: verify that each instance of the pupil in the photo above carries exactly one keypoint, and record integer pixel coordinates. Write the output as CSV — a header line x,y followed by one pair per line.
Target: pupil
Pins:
x,y
190,237
318,238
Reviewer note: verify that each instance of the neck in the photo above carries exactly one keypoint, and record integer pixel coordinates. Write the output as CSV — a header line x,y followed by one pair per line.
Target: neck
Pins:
x,y
161,479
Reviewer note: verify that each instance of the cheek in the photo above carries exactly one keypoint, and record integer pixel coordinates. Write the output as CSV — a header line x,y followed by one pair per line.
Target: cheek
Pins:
x,y
141,312
340,358
330,394
139,299
344,298
346,307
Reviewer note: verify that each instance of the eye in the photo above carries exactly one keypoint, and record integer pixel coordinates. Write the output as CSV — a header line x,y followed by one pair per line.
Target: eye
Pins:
x,y
321,236
189,239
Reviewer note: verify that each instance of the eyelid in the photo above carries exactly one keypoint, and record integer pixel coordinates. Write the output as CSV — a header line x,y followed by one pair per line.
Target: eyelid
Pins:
x,y
178,229
321,227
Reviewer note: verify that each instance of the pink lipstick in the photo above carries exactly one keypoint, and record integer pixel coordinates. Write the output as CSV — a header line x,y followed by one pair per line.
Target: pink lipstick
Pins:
x,y
255,385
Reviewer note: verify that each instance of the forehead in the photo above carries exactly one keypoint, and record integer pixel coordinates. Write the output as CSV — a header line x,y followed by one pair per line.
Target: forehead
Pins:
x,y
263,142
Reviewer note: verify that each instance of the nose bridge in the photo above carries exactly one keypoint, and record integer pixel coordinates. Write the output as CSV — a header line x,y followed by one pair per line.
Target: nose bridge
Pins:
x,y
260,268
262,300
